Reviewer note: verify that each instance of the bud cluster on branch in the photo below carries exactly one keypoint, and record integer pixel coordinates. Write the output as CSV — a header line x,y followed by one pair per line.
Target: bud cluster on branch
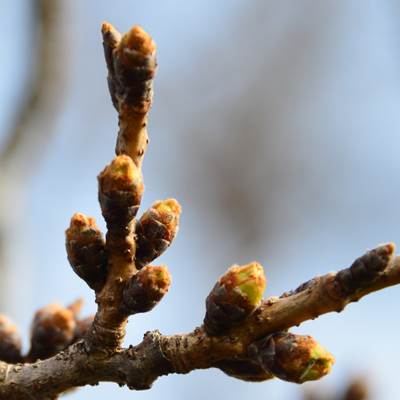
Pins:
x,y
243,335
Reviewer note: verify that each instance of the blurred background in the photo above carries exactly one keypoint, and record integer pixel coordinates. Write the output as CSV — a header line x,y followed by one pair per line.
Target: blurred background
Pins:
x,y
275,124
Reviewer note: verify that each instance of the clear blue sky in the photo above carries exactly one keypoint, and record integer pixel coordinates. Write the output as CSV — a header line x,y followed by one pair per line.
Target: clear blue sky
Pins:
x,y
327,83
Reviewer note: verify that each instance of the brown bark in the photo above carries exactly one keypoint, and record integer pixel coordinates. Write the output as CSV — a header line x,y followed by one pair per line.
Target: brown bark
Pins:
x,y
138,367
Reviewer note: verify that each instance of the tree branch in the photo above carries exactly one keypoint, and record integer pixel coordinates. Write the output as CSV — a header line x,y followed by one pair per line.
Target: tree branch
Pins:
x,y
138,367
243,336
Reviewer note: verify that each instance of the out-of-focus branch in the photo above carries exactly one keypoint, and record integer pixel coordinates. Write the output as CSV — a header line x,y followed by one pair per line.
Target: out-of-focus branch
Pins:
x,y
34,119
356,389
44,90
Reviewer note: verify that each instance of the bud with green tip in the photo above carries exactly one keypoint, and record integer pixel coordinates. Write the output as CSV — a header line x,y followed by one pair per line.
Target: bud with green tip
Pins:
x,y
120,191
146,289
244,369
293,358
234,297
86,250
155,230
10,341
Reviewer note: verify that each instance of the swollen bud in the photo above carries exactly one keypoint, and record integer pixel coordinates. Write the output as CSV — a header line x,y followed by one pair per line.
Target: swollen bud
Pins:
x,y
365,269
120,191
244,369
10,341
53,329
155,230
134,66
293,358
234,297
86,250
146,289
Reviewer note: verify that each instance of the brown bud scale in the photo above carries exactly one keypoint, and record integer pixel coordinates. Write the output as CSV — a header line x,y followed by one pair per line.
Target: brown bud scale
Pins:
x,y
365,269
86,251
146,289
244,369
10,341
234,297
53,329
155,230
120,191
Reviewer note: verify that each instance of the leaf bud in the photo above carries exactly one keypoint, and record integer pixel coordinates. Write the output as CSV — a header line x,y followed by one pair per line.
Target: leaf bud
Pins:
x,y
52,330
85,246
155,230
10,341
120,191
146,289
234,297
292,358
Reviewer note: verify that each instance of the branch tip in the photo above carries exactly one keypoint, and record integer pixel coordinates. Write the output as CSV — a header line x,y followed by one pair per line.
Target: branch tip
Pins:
x,y
138,40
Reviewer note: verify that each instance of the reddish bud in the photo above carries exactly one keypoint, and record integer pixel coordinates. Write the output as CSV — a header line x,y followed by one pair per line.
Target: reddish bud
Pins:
x,y
120,190
146,289
53,329
155,230
86,250
10,341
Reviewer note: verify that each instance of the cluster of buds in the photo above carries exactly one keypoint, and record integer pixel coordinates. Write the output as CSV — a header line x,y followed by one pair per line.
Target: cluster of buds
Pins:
x,y
155,230
86,250
294,358
54,328
290,357
131,67
234,297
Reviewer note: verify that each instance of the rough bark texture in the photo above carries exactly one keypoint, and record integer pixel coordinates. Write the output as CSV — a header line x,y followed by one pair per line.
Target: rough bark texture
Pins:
x,y
98,355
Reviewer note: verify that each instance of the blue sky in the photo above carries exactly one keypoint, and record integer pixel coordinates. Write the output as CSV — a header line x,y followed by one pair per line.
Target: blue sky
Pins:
x,y
319,159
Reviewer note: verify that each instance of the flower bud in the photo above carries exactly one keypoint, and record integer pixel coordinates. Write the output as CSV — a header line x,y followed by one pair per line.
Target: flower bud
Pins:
x,y
365,269
86,250
234,297
293,358
133,69
245,370
10,341
155,230
146,289
53,329
120,191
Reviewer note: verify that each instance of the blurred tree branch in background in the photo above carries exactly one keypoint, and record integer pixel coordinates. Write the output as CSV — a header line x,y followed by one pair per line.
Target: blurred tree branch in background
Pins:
x,y
356,389
34,119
